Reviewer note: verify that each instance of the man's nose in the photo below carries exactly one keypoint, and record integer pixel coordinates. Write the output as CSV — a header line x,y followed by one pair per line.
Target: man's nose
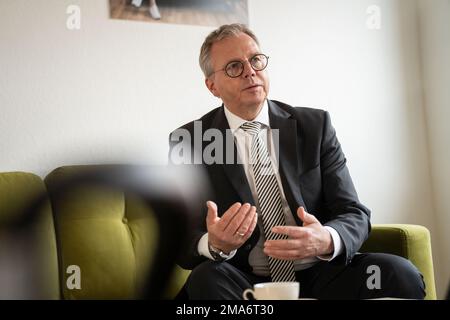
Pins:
x,y
248,70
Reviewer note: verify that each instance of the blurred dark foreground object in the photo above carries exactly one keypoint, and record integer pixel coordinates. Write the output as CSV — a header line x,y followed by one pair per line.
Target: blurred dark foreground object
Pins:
x,y
97,232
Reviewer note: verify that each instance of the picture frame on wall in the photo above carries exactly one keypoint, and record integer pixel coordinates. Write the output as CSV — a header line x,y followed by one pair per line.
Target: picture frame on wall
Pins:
x,y
189,12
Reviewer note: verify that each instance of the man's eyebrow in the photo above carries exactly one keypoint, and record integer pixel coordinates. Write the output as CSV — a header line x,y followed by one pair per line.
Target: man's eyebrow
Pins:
x,y
238,59
233,59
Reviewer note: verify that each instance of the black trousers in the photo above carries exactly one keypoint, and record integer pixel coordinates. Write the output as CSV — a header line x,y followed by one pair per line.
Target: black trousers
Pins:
x,y
397,278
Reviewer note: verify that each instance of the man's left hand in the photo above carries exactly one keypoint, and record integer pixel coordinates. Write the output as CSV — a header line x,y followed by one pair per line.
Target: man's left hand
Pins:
x,y
310,240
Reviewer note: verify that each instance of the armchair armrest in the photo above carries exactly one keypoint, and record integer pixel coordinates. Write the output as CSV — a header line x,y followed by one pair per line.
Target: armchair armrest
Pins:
x,y
409,241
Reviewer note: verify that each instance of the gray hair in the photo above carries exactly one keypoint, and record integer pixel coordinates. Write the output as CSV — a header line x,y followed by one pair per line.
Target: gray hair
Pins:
x,y
225,31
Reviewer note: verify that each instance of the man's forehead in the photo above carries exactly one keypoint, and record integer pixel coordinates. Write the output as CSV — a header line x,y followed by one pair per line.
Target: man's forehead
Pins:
x,y
234,47
239,41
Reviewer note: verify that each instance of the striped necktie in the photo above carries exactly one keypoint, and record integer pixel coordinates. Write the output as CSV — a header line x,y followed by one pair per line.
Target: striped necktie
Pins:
x,y
269,198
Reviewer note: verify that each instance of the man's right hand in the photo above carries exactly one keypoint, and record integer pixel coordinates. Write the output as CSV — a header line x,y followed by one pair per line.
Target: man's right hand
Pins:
x,y
230,231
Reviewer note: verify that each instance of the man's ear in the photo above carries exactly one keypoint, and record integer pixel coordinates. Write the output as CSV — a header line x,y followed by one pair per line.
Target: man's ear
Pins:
x,y
211,87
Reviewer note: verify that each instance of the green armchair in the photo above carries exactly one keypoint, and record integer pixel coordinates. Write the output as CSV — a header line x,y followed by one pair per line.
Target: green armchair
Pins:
x,y
99,229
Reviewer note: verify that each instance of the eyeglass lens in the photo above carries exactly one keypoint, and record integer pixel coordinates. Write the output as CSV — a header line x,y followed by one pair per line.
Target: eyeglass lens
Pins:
x,y
235,68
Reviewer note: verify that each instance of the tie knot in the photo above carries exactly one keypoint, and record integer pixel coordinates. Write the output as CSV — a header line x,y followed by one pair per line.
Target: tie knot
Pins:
x,y
252,127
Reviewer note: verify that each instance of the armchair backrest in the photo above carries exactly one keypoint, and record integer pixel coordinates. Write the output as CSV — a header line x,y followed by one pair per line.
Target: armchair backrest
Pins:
x,y
119,227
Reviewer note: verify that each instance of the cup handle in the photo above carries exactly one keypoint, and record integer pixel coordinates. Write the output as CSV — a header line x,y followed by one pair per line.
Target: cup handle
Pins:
x,y
246,292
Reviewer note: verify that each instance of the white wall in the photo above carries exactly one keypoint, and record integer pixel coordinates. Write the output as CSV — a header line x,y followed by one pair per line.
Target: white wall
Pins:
x,y
435,49
115,89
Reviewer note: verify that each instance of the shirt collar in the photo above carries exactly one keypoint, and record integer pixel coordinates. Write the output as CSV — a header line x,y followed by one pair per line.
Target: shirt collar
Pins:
x,y
235,122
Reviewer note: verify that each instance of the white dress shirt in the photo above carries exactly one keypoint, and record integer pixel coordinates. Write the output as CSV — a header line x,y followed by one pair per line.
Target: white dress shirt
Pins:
x,y
257,258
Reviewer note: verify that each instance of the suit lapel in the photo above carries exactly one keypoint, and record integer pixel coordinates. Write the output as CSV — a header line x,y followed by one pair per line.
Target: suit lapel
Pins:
x,y
289,161
234,171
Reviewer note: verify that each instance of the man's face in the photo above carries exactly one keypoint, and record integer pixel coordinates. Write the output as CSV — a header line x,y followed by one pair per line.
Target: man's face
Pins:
x,y
245,94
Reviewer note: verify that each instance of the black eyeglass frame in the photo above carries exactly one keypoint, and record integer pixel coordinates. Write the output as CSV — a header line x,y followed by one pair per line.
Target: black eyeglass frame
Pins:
x,y
242,65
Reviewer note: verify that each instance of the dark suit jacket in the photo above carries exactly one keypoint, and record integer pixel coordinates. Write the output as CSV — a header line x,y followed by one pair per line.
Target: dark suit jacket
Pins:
x,y
313,174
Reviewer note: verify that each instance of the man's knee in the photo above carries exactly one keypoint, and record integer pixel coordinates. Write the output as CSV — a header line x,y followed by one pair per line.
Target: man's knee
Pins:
x,y
204,273
399,276
210,280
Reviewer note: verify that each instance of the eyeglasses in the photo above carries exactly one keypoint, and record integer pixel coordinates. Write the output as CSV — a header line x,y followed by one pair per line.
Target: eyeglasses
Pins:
x,y
235,69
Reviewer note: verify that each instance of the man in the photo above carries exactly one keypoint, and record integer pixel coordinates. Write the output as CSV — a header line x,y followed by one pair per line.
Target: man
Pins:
x,y
285,209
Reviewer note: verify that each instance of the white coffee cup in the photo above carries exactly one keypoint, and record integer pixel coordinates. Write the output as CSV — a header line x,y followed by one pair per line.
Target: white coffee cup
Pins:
x,y
274,291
